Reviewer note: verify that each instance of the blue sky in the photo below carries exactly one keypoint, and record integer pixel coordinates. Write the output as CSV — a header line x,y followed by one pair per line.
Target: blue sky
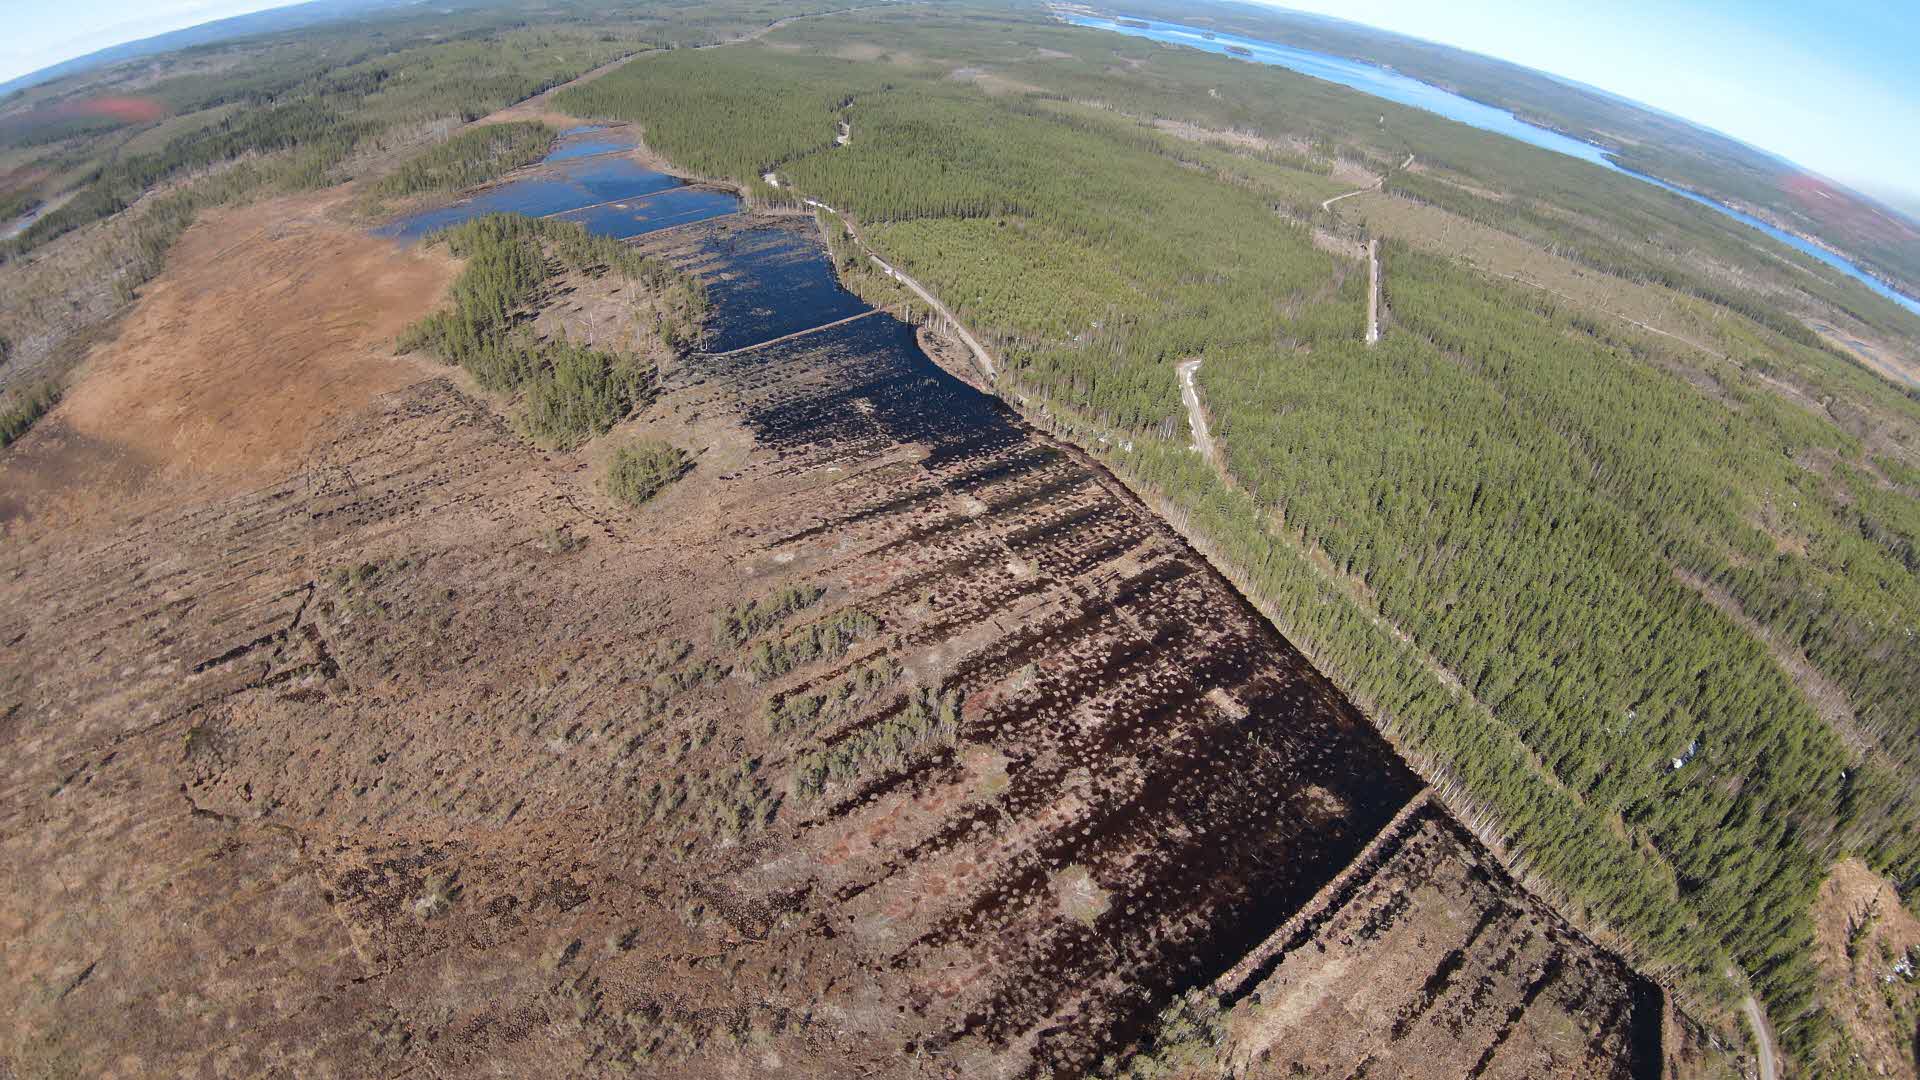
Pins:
x,y
40,33
1833,86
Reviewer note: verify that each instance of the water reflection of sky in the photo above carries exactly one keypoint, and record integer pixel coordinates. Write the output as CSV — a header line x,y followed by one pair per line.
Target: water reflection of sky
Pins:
x,y
632,217
777,281
1379,81
586,148
582,171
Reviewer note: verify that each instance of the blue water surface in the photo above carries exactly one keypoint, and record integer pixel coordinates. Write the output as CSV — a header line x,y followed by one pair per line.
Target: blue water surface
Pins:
x,y
579,176
1389,84
775,279
632,217
579,148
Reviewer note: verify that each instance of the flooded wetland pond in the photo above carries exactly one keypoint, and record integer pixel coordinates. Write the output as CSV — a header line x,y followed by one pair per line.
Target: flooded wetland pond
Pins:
x,y
590,177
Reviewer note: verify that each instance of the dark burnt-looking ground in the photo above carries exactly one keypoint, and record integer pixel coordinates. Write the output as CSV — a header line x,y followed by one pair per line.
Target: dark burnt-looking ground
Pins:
x,y
427,760
1429,962
1085,641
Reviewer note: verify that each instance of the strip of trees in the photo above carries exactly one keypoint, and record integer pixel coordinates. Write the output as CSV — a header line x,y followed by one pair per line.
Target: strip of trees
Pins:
x,y
469,158
570,392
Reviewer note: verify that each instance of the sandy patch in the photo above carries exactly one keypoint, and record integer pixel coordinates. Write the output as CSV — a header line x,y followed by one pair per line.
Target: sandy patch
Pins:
x,y
867,52
1335,244
540,106
996,85
1861,933
1877,357
268,322
1453,180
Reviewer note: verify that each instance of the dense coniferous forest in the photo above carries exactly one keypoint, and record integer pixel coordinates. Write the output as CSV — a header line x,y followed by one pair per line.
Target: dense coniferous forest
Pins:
x,y
1499,527
469,159
1568,564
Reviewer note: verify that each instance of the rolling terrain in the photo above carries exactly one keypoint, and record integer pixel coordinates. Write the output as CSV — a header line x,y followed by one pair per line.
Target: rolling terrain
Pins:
x,y
605,643
1641,138
417,751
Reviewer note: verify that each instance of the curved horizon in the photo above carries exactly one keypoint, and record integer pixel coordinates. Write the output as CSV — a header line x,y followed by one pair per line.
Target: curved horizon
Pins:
x,y
1529,36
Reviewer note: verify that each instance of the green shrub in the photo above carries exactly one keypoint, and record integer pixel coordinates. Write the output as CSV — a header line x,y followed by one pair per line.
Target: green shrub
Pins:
x,y
743,622
1184,1040
640,470
930,718
27,407
807,713
828,639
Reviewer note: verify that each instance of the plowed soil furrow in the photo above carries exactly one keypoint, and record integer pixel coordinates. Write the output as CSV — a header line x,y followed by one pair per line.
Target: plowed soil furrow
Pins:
x,y
467,780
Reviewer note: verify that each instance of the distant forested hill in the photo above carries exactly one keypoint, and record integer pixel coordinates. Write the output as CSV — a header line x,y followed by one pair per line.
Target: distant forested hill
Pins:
x,y
1642,138
273,20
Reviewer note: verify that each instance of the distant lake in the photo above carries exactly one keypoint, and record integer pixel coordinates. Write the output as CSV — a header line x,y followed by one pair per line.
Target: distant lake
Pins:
x,y
1386,83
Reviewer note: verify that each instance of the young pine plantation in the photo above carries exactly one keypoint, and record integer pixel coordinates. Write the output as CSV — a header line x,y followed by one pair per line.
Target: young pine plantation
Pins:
x,y
1557,558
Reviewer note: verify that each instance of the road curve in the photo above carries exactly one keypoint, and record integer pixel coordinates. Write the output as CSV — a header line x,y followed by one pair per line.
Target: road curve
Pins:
x,y
1762,1036
979,351
1377,184
1328,205
980,354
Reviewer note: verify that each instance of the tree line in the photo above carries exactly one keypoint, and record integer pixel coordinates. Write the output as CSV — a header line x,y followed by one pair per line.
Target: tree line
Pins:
x,y
1503,487
569,392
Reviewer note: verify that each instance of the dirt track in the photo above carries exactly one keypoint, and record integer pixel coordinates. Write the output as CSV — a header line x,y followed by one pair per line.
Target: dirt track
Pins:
x,y
1762,1035
975,350
1373,291
1327,205
1197,415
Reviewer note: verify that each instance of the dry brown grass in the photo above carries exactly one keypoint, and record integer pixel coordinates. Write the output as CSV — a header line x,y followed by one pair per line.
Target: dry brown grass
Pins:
x,y
1861,930
269,321
423,756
